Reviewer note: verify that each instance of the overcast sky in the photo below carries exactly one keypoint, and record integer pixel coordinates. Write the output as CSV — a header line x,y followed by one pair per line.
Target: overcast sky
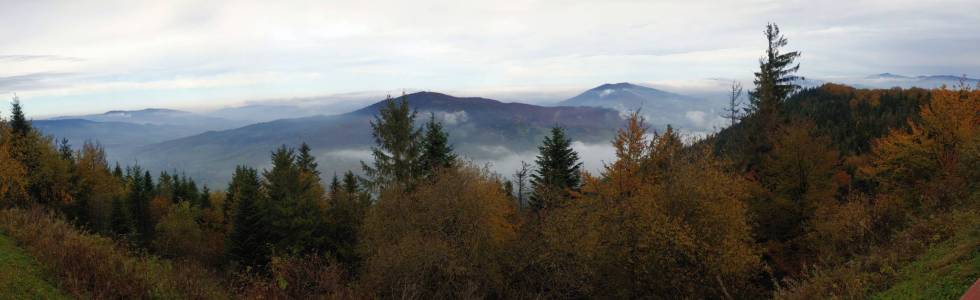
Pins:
x,y
65,57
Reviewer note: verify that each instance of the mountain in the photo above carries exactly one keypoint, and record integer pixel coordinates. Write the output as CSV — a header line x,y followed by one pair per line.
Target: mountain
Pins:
x,y
480,129
158,116
118,138
659,107
888,80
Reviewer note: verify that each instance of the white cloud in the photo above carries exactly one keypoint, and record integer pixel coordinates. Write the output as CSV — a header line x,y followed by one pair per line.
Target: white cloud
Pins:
x,y
138,46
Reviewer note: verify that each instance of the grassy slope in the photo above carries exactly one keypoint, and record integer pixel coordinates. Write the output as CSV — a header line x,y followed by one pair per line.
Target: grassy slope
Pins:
x,y
945,271
21,277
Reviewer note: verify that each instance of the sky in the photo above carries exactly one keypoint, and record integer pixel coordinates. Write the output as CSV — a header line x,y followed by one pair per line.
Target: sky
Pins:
x,y
71,57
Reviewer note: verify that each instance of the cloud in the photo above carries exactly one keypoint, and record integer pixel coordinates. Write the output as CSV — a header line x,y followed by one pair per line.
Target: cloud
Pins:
x,y
594,157
21,58
502,46
351,154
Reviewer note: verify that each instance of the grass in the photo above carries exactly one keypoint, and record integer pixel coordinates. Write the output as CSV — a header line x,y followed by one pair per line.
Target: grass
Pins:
x,y
20,275
945,271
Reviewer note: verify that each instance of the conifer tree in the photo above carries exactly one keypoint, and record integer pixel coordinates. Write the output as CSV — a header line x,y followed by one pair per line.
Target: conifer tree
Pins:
x,y
294,198
205,201
335,188
558,171
247,241
436,151
346,213
117,171
306,161
352,187
18,123
774,82
141,189
398,150
118,220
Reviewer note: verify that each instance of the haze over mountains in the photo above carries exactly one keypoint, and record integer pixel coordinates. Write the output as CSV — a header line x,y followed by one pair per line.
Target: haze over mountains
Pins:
x,y
208,145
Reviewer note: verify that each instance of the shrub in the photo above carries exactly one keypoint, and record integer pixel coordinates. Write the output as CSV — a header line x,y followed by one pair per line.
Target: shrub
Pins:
x,y
91,266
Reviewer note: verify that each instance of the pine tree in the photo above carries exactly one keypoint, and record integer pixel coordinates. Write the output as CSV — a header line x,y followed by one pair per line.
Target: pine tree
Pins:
x,y
306,161
436,151
558,171
248,240
398,150
18,123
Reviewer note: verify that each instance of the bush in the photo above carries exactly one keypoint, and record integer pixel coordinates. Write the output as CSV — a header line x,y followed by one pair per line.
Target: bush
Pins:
x,y
303,277
91,266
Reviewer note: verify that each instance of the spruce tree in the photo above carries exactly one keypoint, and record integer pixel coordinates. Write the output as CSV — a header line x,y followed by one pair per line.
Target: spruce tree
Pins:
x,y
397,151
117,171
335,188
205,201
141,189
306,161
347,214
247,241
294,197
774,82
558,171
436,151
118,221
18,123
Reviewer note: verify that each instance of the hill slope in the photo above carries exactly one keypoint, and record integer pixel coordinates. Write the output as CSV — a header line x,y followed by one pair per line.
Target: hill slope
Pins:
x,y
21,277
479,128
659,107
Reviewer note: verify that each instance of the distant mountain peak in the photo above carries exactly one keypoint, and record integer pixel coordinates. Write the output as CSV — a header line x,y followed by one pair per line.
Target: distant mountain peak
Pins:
x,y
145,110
887,75
621,85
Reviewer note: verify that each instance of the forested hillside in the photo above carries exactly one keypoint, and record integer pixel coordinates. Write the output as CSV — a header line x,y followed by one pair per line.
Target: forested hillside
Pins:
x,y
826,192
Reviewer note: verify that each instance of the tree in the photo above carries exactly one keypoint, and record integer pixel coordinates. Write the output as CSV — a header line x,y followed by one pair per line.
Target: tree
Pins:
x,y
775,80
295,204
521,177
933,163
734,109
398,147
13,175
140,194
443,239
558,171
799,175
346,214
18,123
306,161
205,201
436,151
248,241
118,219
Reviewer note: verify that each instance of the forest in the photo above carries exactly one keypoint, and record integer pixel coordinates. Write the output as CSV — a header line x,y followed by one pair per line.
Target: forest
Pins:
x,y
811,193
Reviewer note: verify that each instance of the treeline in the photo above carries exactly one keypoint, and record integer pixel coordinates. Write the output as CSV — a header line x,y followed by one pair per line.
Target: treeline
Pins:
x,y
805,180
